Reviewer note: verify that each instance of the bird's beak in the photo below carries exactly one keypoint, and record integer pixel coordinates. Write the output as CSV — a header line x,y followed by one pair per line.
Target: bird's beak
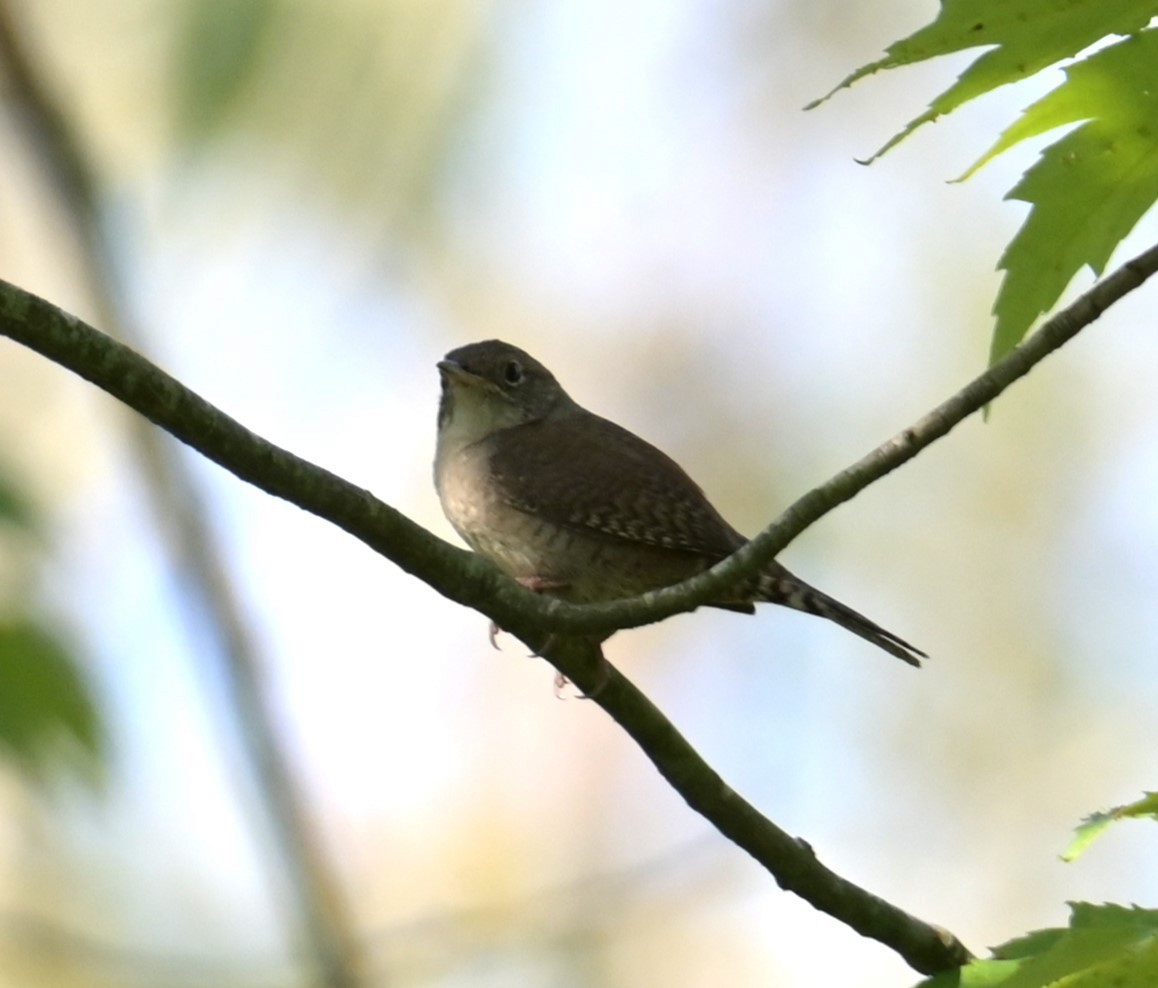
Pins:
x,y
448,368
452,371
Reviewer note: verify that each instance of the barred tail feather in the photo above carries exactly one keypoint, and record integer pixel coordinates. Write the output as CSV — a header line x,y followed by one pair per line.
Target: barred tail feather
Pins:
x,y
783,588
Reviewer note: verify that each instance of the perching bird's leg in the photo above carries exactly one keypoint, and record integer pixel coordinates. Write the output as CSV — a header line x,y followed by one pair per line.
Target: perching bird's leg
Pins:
x,y
536,584
602,675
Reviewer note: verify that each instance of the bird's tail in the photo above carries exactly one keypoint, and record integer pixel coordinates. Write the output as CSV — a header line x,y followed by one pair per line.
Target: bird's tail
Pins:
x,y
781,587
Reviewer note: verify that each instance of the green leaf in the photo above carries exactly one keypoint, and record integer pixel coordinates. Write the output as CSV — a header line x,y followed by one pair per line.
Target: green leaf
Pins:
x,y
1026,37
15,508
47,713
975,974
1103,945
219,49
1088,916
1030,945
1079,952
1095,823
1089,189
1137,968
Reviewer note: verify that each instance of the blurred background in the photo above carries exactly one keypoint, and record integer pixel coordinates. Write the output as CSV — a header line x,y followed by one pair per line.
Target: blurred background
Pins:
x,y
296,207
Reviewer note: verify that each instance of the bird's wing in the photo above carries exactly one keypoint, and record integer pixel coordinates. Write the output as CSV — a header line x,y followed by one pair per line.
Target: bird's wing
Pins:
x,y
583,472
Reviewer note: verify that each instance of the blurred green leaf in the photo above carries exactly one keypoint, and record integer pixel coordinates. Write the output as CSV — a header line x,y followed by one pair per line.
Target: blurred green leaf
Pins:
x,y
1103,945
1030,945
1095,823
47,712
15,508
357,108
977,974
1090,916
219,49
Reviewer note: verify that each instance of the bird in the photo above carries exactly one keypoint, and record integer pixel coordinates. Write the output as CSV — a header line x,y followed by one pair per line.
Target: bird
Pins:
x,y
572,505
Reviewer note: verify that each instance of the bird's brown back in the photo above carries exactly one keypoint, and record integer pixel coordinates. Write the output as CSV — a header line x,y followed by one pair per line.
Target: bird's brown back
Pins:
x,y
627,489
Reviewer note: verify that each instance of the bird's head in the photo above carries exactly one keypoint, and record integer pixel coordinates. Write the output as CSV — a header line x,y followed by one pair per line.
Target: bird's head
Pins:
x,y
491,386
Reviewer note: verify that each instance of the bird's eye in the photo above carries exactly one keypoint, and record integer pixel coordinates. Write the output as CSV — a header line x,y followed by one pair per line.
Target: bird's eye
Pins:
x,y
513,372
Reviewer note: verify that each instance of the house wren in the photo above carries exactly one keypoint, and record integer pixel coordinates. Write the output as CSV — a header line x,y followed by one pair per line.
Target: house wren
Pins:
x,y
572,505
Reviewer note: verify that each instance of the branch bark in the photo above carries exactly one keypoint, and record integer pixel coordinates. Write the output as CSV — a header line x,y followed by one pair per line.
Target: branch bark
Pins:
x,y
540,622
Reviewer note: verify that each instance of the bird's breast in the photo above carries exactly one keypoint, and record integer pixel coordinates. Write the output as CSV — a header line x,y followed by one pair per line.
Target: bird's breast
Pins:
x,y
475,507
583,565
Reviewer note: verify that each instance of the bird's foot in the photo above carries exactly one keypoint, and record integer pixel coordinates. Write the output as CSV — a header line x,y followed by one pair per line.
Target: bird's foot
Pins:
x,y
542,584
536,584
602,678
561,684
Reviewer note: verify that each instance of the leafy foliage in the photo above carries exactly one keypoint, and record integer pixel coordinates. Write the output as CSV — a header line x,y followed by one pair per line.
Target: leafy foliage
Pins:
x,y
1089,189
220,52
353,106
15,508
1027,36
47,711
1094,824
43,701
1103,945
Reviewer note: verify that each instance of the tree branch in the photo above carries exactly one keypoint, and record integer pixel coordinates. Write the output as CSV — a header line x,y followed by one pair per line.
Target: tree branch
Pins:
x,y
790,860
463,576
468,579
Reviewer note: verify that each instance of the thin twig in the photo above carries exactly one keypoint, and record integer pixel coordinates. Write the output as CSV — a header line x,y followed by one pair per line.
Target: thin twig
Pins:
x,y
193,548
